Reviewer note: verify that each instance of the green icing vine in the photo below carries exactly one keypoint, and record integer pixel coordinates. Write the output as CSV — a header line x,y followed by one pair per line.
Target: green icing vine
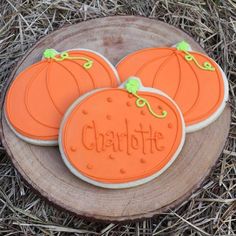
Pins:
x,y
132,86
185,47
53,54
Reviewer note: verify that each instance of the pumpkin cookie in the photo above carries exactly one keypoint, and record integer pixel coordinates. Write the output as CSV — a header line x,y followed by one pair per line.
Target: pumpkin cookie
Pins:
x,y
39,96
121,137
193,80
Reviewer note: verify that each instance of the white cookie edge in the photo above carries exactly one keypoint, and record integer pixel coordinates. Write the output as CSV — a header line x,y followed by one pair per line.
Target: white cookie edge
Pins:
x,y
40,142
217,113
98,54
119,185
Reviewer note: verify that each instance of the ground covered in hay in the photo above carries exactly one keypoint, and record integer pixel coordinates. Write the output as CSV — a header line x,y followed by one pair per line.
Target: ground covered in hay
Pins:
x,y
209,211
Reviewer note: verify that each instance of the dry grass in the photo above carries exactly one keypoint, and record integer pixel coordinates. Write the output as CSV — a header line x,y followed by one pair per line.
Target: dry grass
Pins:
x,y
212,209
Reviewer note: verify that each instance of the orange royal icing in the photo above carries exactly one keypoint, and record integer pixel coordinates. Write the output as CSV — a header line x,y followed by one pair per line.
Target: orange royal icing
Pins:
x,y
198,92
107,138
39,96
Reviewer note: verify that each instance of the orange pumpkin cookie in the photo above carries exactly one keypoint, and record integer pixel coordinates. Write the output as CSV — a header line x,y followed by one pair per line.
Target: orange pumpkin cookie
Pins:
x,y
193,80
121,137
39,96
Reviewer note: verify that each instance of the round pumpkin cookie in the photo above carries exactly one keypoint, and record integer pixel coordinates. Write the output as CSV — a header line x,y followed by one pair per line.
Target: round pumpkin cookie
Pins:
x,y
121,137
39,95
193,80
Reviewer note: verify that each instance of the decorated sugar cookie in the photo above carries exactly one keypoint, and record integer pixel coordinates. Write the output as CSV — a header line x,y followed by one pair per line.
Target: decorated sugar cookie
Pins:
x,y
39,96
196,82
121,137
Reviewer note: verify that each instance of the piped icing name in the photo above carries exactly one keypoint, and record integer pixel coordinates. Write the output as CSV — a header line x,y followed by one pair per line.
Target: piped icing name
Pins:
x,y
144,139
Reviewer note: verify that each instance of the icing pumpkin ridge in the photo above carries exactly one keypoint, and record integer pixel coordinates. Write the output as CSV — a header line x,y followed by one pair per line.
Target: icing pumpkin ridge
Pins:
x,y
39,96
129,146
195,82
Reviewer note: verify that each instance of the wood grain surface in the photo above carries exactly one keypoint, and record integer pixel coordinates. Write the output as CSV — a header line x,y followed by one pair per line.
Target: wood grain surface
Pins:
x,y
42,167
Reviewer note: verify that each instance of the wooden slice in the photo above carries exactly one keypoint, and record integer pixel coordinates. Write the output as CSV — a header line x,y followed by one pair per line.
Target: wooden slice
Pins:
x,y
43,168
